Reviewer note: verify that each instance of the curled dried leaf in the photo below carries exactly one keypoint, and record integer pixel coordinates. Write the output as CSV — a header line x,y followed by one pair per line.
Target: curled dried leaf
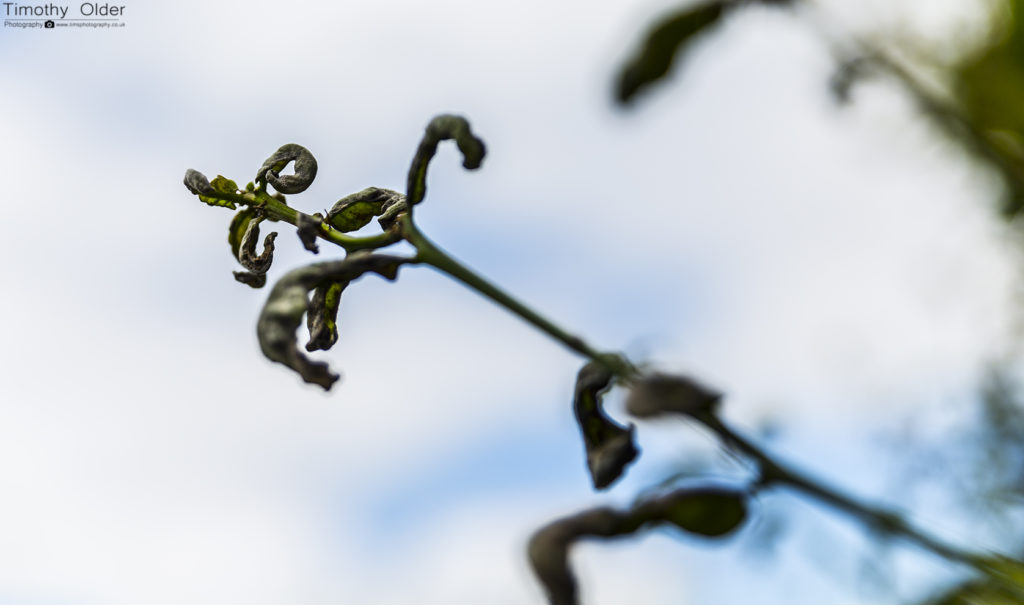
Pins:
x,y
305,169
390,211
239,224
353,212
283,311
609,446
280,317
322,317
308,230
442,128
247,249
659,394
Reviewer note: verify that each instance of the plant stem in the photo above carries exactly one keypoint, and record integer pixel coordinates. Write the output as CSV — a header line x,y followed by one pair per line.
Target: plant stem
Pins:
x,y
776,472
430,254
772,471
276,210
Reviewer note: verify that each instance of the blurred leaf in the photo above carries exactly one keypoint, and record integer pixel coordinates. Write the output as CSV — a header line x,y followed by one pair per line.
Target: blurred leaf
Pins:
x,y
991,590
992,81
711,512
659,394
669,38
990,85
1011,570
609,446
1002,584
848,73
548,554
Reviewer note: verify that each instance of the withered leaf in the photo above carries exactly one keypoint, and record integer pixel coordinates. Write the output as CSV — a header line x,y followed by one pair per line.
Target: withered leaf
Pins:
x,y
288,302
305,169
609,446
442,128
659,394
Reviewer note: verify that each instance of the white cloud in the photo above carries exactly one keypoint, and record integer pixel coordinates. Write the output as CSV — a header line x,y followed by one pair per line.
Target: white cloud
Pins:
x,y
151,455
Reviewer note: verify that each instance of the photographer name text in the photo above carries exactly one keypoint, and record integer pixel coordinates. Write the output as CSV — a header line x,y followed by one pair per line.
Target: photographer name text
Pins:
x,y
60,11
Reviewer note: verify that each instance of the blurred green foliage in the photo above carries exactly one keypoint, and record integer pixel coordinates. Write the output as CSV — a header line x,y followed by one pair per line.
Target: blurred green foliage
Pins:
x,y
986,114
1002,585
668,38
990,88
982,111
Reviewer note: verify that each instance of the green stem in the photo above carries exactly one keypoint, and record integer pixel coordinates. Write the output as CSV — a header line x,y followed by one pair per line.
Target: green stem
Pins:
x,y
276,210
430,254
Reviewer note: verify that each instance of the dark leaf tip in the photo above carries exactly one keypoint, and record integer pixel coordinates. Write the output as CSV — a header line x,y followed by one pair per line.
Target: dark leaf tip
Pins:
x,y
442,128
609,446
308,231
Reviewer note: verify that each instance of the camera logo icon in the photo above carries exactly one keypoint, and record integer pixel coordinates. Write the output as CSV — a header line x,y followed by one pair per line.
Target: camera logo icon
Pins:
x,y
48,24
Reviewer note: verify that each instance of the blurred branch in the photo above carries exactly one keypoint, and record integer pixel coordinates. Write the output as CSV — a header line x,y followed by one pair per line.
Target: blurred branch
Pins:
x,y
953,121
776,473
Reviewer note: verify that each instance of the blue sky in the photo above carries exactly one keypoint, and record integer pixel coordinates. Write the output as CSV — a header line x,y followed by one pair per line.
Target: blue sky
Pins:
x,y
832,265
